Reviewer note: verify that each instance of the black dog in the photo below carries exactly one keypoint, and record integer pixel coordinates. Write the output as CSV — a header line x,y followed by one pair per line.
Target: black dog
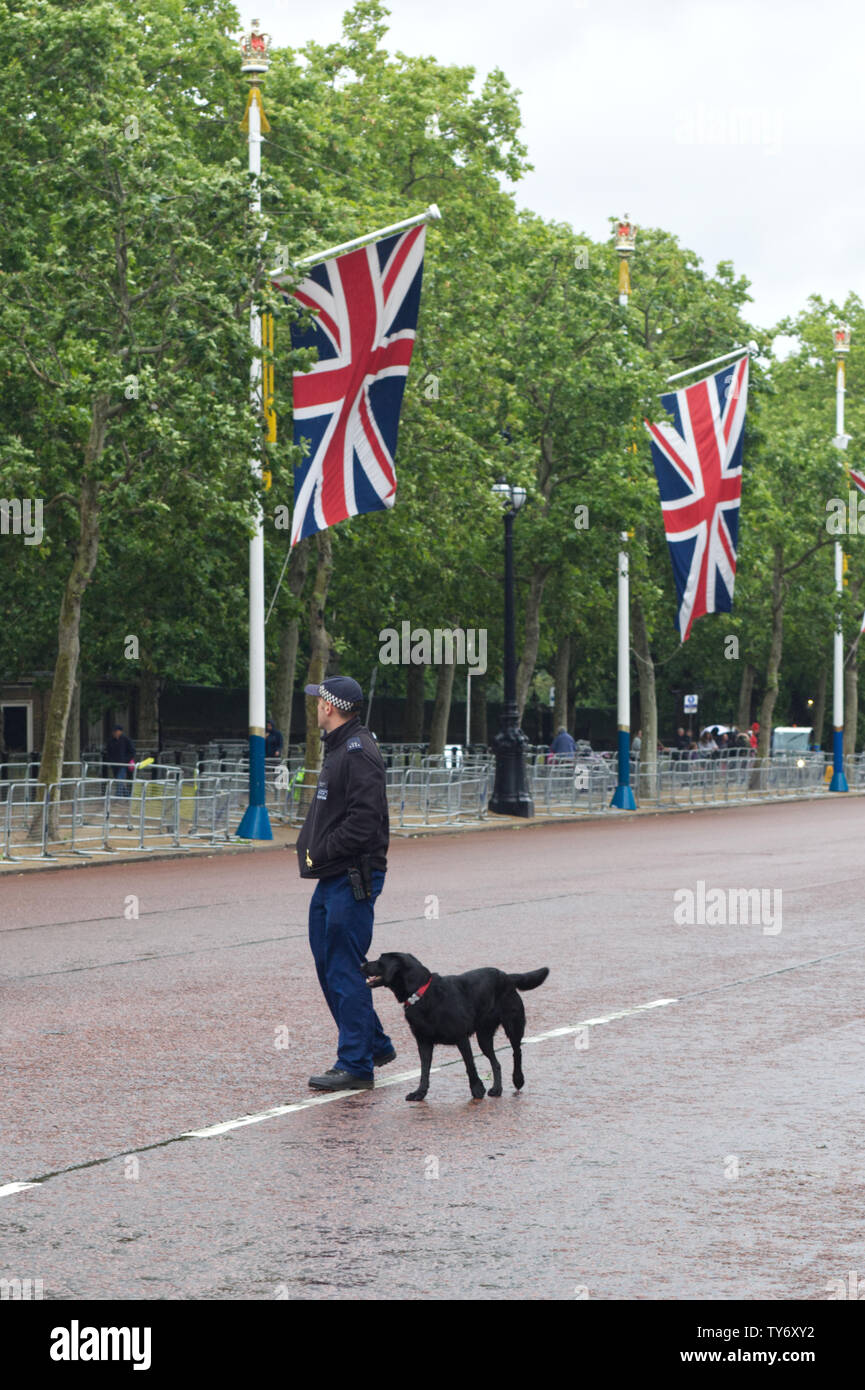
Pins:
x,y
450,1008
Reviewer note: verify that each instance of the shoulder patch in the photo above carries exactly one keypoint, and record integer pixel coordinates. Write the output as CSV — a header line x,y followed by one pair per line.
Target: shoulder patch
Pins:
x,y
352,744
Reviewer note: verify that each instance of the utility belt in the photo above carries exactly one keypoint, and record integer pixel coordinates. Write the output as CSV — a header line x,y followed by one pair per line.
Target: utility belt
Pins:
x,y
360,878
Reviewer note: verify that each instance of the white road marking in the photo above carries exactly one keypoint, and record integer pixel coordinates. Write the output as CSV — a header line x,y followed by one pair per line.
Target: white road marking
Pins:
x,y
212,1130
322,1099
397,1080
593,1022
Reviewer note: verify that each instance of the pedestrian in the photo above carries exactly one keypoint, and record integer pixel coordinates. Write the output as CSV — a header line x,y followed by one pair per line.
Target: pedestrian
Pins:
x,y
637,744
708,746
120,759
755,729
272,740
343,843
563,743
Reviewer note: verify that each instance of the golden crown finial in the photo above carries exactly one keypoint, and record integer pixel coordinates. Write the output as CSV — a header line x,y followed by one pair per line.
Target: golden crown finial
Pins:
x,y
626,236
254,50
842,340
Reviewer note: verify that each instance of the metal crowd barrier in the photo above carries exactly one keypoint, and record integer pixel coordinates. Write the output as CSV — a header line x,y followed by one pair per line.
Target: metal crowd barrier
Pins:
x,y
566,785
438,795
211,797
854,769
725,779
284,784
25,771
23,835
92,815
586,781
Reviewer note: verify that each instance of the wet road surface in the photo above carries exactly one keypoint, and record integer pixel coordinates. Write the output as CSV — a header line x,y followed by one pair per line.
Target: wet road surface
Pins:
x,y
707,1147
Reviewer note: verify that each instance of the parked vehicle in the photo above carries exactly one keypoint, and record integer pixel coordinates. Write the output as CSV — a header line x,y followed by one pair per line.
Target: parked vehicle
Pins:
x,y
793,739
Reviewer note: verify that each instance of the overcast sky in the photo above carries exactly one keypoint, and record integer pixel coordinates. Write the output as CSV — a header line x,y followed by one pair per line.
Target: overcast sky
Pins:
x,y
739,127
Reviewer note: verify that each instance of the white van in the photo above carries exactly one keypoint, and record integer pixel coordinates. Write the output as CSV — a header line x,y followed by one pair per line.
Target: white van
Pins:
x,y
796,739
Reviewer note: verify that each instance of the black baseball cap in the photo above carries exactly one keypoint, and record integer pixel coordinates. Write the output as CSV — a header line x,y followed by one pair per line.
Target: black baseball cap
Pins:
x,y
340,691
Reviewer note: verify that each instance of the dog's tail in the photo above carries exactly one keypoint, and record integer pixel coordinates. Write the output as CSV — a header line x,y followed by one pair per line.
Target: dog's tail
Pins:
x,y
531,979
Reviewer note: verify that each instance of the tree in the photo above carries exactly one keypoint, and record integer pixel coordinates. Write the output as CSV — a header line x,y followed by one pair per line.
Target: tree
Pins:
x,y
130,312
359,137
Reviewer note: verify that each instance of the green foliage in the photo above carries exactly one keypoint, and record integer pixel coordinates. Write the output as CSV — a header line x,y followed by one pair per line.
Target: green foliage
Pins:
x,y
128,257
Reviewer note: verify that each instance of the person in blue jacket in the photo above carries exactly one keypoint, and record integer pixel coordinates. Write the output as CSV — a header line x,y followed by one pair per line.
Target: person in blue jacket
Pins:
x,y
563,743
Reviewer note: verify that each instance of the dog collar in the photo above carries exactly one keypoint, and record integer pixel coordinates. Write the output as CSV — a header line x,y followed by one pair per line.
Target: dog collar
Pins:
x,y
419,994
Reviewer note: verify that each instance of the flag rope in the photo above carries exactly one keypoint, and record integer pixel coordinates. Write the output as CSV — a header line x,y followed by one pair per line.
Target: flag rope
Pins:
x,y
278,586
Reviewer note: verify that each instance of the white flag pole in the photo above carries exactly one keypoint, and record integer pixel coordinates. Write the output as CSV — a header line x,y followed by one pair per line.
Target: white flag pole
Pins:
x,y
255,823
751,349
623,796
432,214
839,781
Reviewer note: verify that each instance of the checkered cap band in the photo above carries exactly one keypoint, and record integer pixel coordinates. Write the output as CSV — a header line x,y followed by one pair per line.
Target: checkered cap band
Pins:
x,y
335,699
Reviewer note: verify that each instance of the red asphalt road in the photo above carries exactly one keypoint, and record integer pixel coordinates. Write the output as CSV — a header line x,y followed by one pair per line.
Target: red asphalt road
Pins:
x,y
711,1148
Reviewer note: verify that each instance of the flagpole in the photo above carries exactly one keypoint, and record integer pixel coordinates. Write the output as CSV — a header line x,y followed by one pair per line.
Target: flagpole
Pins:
x,y
623,796
255,824
468,708
839,781
432,214
713,362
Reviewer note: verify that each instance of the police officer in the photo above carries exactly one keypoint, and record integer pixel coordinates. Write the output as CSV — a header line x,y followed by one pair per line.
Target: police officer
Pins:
x,y
343,843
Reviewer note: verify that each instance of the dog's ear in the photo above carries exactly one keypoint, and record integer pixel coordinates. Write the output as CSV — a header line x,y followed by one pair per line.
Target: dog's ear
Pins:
x,y
391,969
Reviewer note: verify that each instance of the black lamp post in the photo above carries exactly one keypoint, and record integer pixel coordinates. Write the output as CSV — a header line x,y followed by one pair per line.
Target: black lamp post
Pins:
x,y
510,793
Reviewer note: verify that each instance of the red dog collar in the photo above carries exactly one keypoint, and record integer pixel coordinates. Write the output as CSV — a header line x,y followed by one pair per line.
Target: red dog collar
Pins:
x,y
412,999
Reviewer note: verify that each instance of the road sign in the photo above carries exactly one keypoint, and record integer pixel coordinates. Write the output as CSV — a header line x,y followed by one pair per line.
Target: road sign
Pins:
x,y
690,704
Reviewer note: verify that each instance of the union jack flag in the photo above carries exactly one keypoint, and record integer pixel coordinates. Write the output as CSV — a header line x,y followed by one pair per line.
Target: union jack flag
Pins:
x,y
698,464
857,478
347,407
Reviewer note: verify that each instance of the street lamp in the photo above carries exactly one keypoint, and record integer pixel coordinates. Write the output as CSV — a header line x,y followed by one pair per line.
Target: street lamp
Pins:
x,y
510,792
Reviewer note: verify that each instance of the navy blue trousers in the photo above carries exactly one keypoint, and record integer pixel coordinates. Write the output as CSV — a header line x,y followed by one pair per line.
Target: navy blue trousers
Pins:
x,y
340,933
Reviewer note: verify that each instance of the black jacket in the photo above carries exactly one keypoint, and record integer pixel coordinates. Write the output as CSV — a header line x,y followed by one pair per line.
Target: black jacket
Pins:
x,y
119,751
348,816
